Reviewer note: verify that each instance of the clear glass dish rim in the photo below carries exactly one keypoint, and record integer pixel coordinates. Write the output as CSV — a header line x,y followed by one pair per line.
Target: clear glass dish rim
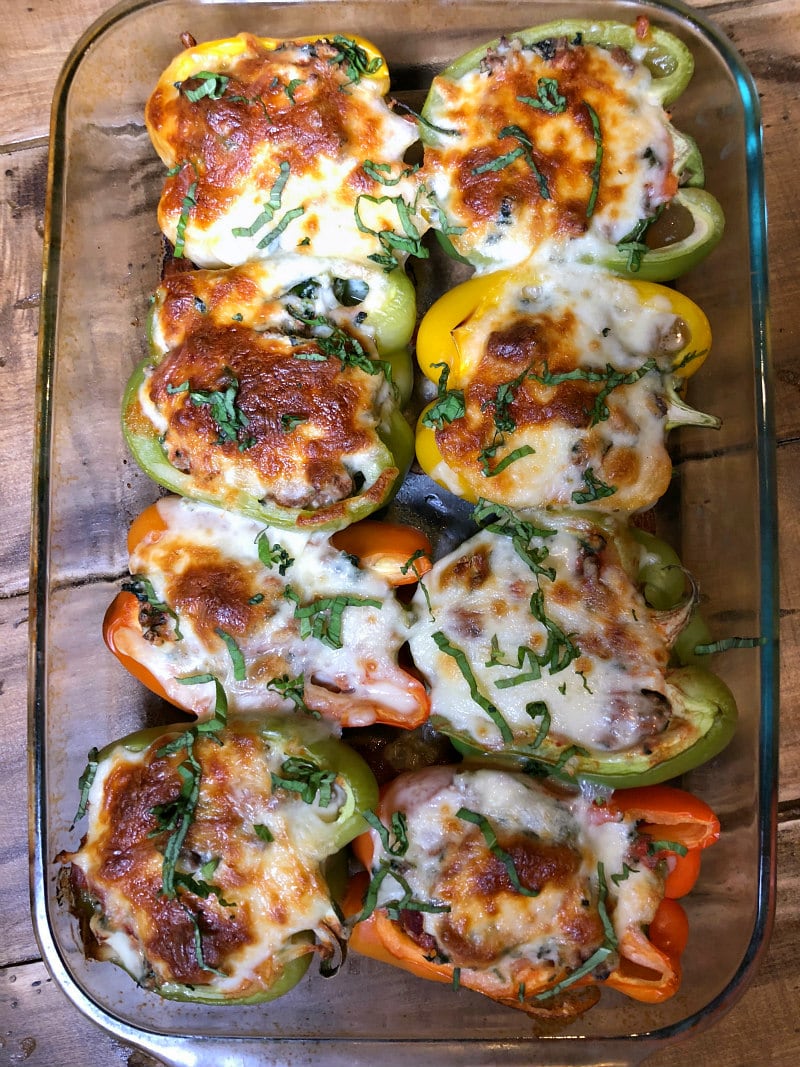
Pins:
x,y
161,1044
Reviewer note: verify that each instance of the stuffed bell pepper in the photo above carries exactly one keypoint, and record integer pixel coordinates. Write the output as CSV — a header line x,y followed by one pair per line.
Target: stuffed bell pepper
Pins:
x,y
278,146
557,388
497,882
291,623
555,140
204,868
276,389
537,642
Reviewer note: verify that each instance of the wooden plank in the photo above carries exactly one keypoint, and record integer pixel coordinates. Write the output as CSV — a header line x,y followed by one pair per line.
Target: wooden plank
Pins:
x,y
22,190
36,39
18,941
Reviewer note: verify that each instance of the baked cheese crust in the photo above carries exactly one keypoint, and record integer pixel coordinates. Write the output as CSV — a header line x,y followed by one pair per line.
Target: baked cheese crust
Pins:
x,y
224,584
282,146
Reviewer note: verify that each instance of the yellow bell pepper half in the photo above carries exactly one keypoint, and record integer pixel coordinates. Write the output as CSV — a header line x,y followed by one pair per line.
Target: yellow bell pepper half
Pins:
x,y
442,354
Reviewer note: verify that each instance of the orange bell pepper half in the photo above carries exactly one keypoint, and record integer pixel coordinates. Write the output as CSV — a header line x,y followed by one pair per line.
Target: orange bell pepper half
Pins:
x,y
649,967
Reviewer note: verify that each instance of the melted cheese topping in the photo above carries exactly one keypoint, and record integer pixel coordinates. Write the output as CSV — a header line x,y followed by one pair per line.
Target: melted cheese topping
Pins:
x,y
556,844
275,295
275,161
569,651
552,142
560,369
205,566
268,895
300,427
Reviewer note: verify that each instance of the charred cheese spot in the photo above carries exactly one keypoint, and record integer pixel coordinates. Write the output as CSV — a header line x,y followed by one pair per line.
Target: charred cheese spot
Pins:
x,y
511,201
610,694
288,131
258,899
568,368
205,565
305,424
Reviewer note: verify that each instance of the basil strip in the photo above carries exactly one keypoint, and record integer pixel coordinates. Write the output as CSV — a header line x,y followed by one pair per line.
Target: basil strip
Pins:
x,y
237,659
293,689
322,618
339,344
353,58
379,172
610,377
189,201
526,149
85,783
506,461
270,207
409,241
263,833
598,159
547,97
448,406
463,665
633,242
274,555
301,776
728,643
226,414
667,846
275,233
397,844
409,564
490,838
593,489
212,85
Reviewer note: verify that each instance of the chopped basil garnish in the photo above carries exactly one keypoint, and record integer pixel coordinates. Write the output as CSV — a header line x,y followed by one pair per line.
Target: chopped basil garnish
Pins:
x,y
462,663
547,97
409,241
226,414
175,816
490,838
291,422
270,207
624,874
337,343
396,842
399,105
728,643
524,149
273,555
262,832
85,783
593,488
354,59
506,461
379,172
292,87
293,689
610,377
449,404
602,953
522,533
237,659
598,159
633,242
667,846
211,85
322,618
409,564
189,201
299,775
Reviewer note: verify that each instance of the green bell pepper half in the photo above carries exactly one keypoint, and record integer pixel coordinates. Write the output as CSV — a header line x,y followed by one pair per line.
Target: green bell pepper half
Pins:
x,y
295,739
395,454
671,65
666,57
708,711
671,260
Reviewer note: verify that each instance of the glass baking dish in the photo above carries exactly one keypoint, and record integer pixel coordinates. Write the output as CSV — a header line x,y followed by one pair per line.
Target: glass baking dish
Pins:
x,y
102,256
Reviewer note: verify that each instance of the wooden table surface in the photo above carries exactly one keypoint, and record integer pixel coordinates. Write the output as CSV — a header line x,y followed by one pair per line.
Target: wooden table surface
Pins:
x,y
37,1024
